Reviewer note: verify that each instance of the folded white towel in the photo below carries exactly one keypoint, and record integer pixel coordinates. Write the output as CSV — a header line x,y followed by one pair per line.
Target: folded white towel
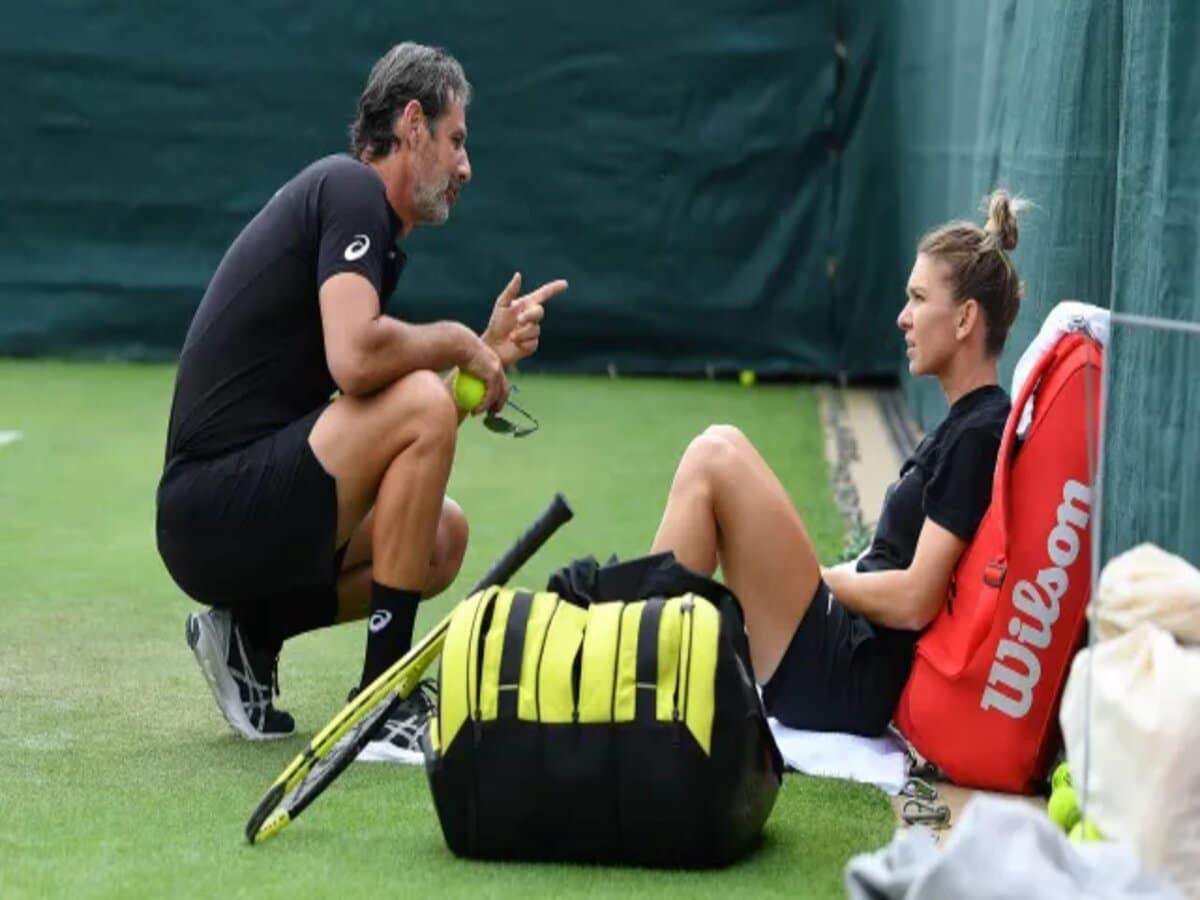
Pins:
x,y
879,761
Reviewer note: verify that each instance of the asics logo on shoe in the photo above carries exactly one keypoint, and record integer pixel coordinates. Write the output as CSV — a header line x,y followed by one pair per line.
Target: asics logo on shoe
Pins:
x,y
379,621
357,248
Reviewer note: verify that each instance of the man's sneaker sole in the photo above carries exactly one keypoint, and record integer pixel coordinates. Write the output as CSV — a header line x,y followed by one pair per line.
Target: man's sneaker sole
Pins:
x,y
207,646
387,752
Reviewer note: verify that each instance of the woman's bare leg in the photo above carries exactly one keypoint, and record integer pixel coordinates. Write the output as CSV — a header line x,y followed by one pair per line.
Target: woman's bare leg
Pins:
x,y
726,506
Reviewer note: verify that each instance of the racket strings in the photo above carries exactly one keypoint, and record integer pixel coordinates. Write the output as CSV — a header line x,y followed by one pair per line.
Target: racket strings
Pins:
x,y
329,765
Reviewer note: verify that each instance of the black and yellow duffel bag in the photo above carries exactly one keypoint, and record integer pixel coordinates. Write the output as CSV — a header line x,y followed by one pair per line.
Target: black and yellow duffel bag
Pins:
x,y
574,726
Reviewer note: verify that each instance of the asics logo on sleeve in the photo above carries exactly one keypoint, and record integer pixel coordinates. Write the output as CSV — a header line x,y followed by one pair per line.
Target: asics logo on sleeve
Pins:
x,y
380,619
357,248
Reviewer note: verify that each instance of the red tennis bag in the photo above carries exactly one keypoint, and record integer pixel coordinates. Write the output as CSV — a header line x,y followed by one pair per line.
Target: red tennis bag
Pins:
x,y
982,700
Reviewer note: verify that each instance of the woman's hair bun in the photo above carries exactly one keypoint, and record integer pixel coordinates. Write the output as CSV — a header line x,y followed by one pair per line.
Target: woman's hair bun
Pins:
x,y
1002,209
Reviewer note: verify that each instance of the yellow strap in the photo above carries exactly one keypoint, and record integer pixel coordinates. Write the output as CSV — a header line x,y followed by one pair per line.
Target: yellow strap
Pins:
x,y
456,659
535,633
556,699
669,629
606,634
599,662
705,629
493,646
625,705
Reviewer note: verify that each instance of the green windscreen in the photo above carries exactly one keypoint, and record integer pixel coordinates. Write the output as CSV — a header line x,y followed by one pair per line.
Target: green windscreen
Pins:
x,y
725,185
1091,109
693,170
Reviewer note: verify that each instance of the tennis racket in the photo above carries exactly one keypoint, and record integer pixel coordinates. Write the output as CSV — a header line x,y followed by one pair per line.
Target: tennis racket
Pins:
x,y
339,742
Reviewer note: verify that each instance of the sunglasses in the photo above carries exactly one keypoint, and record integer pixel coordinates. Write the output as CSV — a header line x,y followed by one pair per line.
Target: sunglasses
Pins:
x,y
500,425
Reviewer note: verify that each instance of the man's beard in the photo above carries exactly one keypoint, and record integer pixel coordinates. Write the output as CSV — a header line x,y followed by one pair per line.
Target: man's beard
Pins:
x,y
430,203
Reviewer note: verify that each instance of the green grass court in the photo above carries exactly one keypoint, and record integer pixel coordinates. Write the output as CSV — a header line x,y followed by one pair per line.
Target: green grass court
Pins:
x,y
120,777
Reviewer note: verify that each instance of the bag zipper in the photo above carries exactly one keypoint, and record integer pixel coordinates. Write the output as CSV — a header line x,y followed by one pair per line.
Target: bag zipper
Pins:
x,y
687,607
473,709
612,703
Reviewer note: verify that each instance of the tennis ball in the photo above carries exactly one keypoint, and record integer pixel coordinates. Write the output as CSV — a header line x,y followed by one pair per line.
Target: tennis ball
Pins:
x,y
1063,807
1085,831
1061,776
747,377
468,391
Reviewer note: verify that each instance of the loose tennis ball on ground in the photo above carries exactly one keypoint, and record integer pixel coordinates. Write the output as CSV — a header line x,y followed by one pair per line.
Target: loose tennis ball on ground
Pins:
x,y
1063,807
747,377
1061,776
1084,832
468,391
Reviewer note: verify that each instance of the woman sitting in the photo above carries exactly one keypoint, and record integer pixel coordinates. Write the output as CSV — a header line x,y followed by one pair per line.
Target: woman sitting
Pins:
x,y
832,647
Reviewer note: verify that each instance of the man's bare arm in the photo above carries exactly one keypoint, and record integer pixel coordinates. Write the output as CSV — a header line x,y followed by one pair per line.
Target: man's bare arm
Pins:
x,y
366,351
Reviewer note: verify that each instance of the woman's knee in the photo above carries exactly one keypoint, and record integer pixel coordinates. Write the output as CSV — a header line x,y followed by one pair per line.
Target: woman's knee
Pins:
x,y
705,462
730,434
714,449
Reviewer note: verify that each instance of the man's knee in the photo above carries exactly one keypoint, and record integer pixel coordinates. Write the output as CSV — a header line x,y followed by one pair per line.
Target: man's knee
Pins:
x,y
454,526
422,400
449,548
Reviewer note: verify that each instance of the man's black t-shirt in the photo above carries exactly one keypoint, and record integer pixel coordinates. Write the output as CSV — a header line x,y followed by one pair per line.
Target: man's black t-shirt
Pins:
x,y
948,479
254,357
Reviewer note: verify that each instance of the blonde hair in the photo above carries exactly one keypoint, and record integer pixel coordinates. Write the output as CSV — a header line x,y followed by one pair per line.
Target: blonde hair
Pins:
x,y
978,264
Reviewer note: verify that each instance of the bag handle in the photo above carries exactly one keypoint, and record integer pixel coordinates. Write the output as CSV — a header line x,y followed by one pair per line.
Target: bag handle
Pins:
x,y
1066,345
511,653
646,673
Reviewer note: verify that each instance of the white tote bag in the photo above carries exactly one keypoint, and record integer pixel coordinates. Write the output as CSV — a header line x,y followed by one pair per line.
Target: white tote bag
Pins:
x,y
1148,584
1144,754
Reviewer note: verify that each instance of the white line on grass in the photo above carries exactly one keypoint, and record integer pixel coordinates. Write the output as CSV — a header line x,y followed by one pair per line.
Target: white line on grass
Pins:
x,y
9,437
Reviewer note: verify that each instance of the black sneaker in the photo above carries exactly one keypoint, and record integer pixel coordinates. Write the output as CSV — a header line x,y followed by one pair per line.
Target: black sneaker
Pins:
x,y
399,738
242,679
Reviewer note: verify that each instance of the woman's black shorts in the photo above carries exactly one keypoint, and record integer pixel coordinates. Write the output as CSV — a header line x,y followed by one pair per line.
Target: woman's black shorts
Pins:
x,y
840,672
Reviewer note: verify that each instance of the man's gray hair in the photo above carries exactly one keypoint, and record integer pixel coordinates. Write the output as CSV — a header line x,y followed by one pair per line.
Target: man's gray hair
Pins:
x,y
408,71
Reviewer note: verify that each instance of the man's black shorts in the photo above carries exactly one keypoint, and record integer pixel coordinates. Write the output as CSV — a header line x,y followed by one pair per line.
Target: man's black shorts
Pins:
x,y
255,531
840,672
